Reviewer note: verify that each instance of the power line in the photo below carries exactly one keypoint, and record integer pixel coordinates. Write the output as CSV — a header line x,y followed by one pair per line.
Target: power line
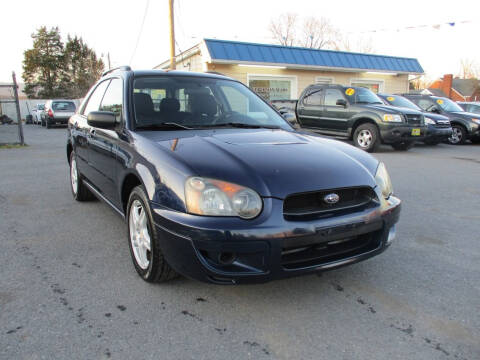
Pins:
x,y
140,31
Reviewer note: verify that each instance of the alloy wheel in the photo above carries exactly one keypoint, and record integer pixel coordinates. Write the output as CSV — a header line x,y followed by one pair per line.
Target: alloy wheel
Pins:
x,y
139,235
456,136
74,175
364,138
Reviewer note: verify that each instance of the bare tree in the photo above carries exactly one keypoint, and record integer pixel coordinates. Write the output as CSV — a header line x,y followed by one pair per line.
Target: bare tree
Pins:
x,y
469,69
419,83
283,29
319,33
361,45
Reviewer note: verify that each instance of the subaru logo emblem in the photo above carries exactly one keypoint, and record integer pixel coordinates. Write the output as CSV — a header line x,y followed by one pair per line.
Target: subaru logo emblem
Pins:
x,y
331,198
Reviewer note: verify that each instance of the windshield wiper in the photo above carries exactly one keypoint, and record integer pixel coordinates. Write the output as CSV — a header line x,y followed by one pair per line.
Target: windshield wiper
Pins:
x,y
166,125
243,125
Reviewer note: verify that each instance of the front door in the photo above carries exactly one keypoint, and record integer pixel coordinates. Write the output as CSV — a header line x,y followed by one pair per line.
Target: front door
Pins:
x,y
103,144
335,116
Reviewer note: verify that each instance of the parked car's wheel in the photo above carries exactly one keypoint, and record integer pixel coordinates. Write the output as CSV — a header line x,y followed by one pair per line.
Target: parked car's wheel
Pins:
x,y
366,137
143,240
459,135
47,124
43,122
431,142
403,146
79,190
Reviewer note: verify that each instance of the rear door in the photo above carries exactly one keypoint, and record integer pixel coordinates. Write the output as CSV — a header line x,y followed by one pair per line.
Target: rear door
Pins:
x,y
335,117
310,109
103,144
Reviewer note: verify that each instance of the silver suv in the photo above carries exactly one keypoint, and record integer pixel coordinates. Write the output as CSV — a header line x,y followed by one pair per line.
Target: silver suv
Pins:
x,y
57,112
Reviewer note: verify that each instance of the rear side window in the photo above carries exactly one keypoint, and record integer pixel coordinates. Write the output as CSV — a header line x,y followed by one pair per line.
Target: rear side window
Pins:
x,y
63,106
112,100
313,98
96,97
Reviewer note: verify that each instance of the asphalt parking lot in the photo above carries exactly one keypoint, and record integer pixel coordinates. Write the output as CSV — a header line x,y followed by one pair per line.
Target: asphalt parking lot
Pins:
x,y
68,288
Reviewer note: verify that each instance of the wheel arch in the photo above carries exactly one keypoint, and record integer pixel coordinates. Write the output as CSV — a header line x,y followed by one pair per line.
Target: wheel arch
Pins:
x,y
69,151
360,121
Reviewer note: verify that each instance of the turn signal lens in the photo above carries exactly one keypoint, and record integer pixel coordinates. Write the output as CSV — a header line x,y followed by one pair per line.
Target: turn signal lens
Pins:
x,y
383,181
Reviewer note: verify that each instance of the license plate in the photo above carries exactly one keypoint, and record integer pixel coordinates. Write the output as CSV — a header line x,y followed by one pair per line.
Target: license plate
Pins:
x,y
415,132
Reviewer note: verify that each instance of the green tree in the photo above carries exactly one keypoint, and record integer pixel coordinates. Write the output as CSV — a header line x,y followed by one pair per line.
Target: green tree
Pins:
x,y
54,70
82,67
42,69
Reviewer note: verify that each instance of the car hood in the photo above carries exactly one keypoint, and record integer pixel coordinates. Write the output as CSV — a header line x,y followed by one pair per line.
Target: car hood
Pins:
x,y
388,109
272,162
465,115
436,117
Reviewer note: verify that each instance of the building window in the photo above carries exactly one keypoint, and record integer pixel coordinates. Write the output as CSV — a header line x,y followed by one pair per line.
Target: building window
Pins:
x,y
324,80
273,87
375,85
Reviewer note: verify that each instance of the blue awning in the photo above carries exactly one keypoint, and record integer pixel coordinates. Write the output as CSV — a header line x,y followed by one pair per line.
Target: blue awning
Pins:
x,y
251,53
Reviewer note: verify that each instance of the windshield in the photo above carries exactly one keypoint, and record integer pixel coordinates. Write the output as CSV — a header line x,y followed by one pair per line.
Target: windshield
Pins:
x,y
448,105
359,95
63,106
400,101
196,102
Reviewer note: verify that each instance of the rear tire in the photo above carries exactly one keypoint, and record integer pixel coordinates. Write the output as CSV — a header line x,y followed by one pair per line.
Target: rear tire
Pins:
x,y
48,124
366,137
459,135
79,191
144,240
403,146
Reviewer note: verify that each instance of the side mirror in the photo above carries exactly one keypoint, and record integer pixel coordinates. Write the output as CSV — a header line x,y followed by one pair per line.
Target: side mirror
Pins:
x,y
342,102
101,119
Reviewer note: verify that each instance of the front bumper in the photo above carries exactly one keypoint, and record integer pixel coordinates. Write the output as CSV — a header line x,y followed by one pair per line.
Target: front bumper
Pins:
x,y
269,247
438,134
400,133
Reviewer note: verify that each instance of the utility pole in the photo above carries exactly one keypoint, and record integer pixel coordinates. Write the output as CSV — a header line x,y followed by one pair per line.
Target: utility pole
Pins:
x,y
172,36
17,105
108,58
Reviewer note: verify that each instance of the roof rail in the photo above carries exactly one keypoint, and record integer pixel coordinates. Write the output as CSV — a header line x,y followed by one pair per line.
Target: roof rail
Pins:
x,y
124,68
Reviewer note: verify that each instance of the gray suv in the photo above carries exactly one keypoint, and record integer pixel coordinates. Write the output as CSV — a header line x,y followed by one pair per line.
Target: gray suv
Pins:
x,y
57,112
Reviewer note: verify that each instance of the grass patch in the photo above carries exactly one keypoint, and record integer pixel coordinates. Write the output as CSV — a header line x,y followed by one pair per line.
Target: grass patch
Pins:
x,y
12,146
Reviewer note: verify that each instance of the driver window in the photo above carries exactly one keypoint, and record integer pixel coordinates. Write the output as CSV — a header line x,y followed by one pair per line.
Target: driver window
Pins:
x,y
95,99
331,97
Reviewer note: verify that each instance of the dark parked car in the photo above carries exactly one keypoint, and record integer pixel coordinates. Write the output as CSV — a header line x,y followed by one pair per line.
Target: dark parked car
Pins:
x,y
217,186
57,112
438,126
470,106
358,114
465,125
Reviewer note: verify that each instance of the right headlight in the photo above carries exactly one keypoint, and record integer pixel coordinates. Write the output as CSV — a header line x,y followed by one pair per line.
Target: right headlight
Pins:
x,y
392,118
213,197
429,121
383,181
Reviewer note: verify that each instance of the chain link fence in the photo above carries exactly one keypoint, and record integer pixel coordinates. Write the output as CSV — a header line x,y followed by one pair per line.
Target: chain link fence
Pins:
x,y
11,130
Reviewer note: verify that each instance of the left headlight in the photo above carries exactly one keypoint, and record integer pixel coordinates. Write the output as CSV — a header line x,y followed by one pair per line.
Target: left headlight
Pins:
x,y
383,181
392,118
219,198
476,121
429,121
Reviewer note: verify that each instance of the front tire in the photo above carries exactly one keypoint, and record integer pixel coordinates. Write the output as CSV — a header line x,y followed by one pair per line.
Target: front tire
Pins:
x,y
403,146
144,241
366,137
459,135
79,191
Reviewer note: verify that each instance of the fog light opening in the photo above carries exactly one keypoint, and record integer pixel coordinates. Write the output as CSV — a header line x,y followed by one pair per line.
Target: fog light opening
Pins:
x,y
391,235
226,258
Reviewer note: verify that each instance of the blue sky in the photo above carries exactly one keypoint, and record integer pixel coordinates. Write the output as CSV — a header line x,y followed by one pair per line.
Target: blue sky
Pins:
x,y
113,26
